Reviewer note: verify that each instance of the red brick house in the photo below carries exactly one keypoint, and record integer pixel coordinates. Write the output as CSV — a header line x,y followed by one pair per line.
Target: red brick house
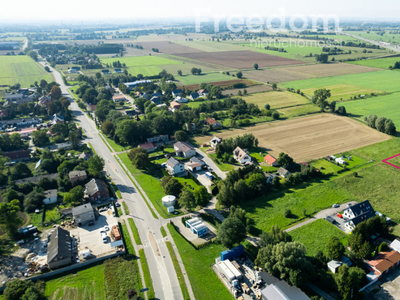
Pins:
x,y
96,189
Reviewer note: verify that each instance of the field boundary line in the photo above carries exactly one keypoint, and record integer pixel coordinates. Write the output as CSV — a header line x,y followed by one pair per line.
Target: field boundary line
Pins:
x,y
390,164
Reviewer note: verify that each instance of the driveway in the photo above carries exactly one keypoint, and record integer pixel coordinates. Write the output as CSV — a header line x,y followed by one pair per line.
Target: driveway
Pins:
x,y
203,179
210,163
322,215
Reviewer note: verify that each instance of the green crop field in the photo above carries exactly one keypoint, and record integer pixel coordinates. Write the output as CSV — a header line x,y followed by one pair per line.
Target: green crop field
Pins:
x,y
383,63
382,106
203,78
386,37
376,182
205,283
343,92
276,99
315,236
301,110
21,69
381,80
145,65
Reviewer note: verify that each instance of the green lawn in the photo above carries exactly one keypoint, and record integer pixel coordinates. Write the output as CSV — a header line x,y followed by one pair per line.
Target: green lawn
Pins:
x,y
376,182
145,65
135,232
203,78
224,167
295,111
188,181
326,166
381,80
383,63
315,235
382,106
127,162
115,147
205,283
85,284
21,69
146,274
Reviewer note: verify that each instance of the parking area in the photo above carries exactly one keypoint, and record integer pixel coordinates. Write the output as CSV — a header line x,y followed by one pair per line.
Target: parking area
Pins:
x,y
203,179
386,288
89,237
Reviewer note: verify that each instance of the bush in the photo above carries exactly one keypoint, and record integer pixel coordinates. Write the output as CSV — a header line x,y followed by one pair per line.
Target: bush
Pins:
x,y
287,213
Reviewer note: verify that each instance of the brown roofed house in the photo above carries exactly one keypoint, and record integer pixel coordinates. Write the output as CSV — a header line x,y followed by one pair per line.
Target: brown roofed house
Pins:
x,y
241,156
270,160
214,123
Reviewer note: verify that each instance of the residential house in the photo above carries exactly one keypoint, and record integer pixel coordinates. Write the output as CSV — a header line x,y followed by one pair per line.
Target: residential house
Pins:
x,y
211,121
340,161
118,98
384,262
83,214
50,196
105,72
177,92
193,167
158,139
159,95
194,96
56,119
17,156
76,68
195,159
59,249
146,96
180,99
279,290
271,161
215,141
174,166
175,105
202,93
84,156
190,126
352,223
334,265
44,100
118,70
183,149
156,100
77,176
283,172
356,214
71,71
132,85
241,156
20,123
96,190
149,147
269,177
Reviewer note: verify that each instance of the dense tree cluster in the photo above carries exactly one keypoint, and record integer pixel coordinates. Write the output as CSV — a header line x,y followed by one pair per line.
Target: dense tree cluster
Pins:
x,y
381,124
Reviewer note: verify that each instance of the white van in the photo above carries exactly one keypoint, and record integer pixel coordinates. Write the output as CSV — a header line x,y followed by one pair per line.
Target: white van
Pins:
x,y
104,237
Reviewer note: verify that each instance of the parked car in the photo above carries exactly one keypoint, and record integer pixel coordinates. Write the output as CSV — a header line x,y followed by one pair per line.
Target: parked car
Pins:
x,y
106,228
117,204
349,204
335,205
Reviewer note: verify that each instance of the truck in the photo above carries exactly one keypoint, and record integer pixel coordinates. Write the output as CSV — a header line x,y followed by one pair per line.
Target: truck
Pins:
x,y
210,176
224,270
115,232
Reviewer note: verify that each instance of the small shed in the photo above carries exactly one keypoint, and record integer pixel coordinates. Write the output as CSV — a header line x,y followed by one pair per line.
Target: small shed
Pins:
x,y
50,196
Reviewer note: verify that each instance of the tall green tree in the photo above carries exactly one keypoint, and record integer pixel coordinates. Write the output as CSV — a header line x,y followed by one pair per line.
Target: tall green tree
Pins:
x,y
275,236
255,66
348,281
187,200
95,165
9,219
334,248
231,232
320,98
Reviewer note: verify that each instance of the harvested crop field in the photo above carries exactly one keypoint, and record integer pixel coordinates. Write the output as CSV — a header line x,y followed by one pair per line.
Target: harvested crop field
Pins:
x,y
222,84
304,72
250,89
276,99
241,59
309,137
168,47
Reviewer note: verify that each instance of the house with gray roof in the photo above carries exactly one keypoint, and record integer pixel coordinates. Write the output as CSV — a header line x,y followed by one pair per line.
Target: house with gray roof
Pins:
x,y
96,189
283,172
77,176
183,149
50,196
83,214
279,290
59,249
174,166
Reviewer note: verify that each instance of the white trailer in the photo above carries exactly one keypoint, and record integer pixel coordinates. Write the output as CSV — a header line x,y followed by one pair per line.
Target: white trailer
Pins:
x,y
224,270
233,269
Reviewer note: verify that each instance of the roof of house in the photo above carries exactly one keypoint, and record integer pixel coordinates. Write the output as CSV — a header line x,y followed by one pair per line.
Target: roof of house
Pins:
x,y
172,162
195,165
283,171
239,153
361,208
84,155
202,91
175,104
147,146
194,95
76,174
385,260
216,140
211,121
155,100
395,245
92,107
183,147
94,186
81,209
270,159
50,193
36,179
17,154
361,218
56,117
118,97
195,159
279,290
177,91
60,246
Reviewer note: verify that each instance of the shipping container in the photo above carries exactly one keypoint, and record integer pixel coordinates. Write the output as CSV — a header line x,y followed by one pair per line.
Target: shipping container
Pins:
x,y
232,253
115,233
225,271
233,269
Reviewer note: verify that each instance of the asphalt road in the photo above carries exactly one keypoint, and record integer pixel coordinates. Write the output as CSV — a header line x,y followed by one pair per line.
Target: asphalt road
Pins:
x,y
165,282
390,47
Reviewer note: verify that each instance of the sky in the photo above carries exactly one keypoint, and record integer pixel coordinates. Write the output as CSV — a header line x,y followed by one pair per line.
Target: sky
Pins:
x,y
87,10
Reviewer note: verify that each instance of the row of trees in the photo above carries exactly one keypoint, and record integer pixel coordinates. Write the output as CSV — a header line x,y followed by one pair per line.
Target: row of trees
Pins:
x,y
381,124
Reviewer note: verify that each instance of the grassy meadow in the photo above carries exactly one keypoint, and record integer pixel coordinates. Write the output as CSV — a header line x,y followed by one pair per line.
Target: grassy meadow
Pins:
x,y
383,63
276,99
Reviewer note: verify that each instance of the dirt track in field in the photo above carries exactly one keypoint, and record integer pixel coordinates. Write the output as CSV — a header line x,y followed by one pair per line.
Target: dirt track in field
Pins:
x,y
241,59
282,74
310,137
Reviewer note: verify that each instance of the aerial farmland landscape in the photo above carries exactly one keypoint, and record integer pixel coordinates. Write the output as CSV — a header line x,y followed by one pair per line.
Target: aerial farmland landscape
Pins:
x,y
227,151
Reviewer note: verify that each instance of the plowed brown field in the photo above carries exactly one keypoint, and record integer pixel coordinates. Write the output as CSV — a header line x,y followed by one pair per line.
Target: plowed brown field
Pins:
x,y
309,138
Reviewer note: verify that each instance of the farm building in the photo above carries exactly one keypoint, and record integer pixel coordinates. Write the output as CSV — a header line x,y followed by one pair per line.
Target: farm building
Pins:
x,y
215,141
158,139
197,226
96,189
149,147
77,176
20,155
183,149
174,166
59,249
271,161
214,123
340,161
384,262
283,172
241,156
50,196
83,214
